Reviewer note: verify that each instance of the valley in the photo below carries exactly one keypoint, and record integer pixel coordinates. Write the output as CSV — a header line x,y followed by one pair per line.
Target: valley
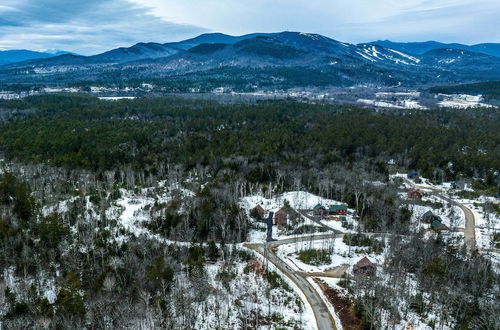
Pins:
x,y
158,174
151,212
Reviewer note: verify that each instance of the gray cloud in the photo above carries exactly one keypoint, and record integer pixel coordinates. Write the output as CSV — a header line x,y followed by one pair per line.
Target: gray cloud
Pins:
x,y
85,27
458,21
91,26
470,21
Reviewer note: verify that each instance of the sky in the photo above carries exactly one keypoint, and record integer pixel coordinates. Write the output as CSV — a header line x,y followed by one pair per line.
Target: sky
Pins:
x,y
93,26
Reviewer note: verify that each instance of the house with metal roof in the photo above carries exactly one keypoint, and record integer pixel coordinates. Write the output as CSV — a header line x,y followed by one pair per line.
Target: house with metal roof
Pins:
x,y
337,209
430,217
319,209
438,226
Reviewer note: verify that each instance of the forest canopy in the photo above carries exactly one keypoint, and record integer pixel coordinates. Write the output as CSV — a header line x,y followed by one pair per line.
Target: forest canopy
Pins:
x,y
84,132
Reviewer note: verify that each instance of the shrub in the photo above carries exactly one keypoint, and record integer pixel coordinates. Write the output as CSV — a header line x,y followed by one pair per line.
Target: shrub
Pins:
x,y
52,230
315,257
275,281
158,272
69,301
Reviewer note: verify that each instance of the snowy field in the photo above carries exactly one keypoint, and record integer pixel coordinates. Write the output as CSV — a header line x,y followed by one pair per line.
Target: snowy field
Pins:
x,y
342,254
401,104
298,200
462,101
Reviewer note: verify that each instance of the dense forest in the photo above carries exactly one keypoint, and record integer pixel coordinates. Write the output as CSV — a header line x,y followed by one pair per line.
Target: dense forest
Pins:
x,y
490,89
69,164
82,132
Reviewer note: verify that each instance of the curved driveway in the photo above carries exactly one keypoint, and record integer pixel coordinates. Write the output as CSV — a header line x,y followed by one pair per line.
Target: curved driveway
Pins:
x,y
470,221
324,320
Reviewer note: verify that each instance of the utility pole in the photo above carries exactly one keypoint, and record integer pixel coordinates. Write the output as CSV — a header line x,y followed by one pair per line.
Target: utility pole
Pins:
x,y
266,256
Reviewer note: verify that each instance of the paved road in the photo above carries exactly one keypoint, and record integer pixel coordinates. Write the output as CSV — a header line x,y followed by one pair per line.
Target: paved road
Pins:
x,y
470,226
324,319
470,221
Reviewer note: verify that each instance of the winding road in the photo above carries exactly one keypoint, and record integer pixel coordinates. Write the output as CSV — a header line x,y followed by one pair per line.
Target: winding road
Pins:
x,y
470,226
324,319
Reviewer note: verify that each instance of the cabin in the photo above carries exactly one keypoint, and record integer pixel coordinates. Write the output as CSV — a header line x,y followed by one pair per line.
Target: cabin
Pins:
x,y
337,210
438,226
412,175
319,210
414,194
258,212
430,217
364,267
280,217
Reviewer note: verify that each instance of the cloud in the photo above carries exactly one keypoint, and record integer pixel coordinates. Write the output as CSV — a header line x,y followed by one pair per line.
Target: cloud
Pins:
x,y
91,26
447,21
354,20
85,27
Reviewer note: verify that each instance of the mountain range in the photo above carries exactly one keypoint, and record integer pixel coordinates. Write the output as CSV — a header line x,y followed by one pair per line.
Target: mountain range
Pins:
x,y
267,60
419,48
20,55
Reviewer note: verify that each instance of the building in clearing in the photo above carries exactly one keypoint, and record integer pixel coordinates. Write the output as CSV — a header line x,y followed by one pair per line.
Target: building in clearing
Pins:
x,y
430,217
414,194
319,209
280,217
438,226
337,210
258,212
364,267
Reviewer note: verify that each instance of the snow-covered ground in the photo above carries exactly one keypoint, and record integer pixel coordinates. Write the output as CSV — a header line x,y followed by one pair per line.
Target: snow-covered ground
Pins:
x,y
132,209
401,104
342,254
487,223
298,200
116,98
462,101
246,293
424,184
452,217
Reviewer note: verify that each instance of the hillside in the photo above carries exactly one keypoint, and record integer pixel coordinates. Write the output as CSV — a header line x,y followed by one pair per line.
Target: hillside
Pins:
x,y
419,48
259,61
490,90
143,213
15,56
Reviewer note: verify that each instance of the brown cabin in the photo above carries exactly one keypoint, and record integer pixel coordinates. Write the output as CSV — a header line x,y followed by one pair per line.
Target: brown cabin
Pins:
x,y
258,210
414,194
280,217
364,267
